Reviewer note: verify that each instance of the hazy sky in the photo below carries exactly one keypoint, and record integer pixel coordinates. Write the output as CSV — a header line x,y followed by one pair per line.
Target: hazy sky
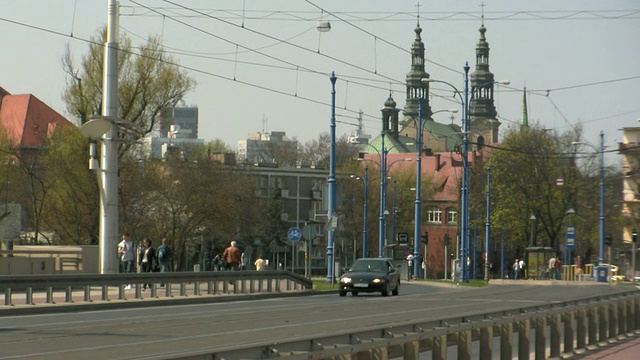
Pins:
x,y
584,53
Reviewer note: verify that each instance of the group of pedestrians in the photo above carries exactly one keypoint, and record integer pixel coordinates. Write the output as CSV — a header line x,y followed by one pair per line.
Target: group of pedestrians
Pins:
x,y
554,270
234,259
518,268
149,259
146,259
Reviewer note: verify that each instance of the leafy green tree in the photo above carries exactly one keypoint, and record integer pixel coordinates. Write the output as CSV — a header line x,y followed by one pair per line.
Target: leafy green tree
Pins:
x,y
71,205
525,169
148,81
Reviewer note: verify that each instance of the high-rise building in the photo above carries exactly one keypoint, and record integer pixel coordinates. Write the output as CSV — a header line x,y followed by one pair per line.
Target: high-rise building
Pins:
x,y
265,148
184,117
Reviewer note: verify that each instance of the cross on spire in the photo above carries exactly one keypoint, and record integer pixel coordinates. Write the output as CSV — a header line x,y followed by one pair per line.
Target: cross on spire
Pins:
x,y
418,11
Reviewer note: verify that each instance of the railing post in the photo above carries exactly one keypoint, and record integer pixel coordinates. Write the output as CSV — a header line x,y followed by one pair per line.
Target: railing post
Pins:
x,y
631,315
486,341
105,293
29,296
49,295
411,350
87,293
592,313
439,347
68,297
613,321
541,338
524,338
554,335
506,341
581,329
464,344
7,296
568,331
636,314
622,317
603,324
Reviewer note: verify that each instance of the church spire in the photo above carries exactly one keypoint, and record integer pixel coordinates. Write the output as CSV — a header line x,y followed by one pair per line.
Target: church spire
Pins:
x,y
416,89
482,111
524,118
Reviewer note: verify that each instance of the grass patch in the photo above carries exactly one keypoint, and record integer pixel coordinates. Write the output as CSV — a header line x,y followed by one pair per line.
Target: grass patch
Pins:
x,y
322,285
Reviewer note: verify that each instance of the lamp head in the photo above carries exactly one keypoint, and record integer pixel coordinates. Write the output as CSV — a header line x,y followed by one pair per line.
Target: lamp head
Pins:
x,y
323,25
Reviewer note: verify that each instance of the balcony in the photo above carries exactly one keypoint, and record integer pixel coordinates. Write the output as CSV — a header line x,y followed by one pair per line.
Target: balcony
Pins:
x,y
632,147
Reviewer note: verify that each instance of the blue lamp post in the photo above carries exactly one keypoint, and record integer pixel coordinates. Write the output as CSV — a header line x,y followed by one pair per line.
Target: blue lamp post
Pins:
x,y
602,218
332,179
418,208
464,218
601,257
365,180
383,186
488,226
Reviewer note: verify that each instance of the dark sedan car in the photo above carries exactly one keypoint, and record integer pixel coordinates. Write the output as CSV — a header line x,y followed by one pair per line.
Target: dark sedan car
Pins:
x,y
371,275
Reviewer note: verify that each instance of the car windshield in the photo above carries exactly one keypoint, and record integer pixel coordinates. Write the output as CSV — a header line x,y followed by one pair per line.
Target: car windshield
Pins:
x,y
369,265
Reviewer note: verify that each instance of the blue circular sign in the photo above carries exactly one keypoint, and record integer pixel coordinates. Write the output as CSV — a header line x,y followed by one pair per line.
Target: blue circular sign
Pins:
x,y
294,234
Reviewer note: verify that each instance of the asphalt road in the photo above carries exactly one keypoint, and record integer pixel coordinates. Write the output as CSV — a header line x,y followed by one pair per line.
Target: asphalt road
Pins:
x,y
171,331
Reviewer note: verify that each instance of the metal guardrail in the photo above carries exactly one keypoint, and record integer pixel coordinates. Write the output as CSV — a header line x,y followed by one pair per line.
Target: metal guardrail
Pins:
x,y
51,289
559,329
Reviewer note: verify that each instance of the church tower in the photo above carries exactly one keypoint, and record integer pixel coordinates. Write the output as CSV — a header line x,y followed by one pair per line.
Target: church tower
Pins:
x,y
524,117
416,89
482,111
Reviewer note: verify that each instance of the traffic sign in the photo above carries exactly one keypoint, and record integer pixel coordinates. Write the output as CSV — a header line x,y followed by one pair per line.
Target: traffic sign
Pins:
x,y
571,237
294,234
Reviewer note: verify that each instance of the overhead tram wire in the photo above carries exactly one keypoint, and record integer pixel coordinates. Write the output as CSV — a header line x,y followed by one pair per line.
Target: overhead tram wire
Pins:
x,y
200,55
381,39
207,73
270,37
384,16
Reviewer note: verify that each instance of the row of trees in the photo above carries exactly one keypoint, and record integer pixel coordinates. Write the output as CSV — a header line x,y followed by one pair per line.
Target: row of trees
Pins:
x,y
525,169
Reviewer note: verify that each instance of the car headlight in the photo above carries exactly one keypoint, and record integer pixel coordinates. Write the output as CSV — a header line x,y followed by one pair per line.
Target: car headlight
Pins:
x,y
345,280
377,281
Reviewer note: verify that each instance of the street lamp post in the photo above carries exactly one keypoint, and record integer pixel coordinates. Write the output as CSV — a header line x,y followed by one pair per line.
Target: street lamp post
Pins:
x,y
365,180
602,218
383,191
416,233
383,186
332,180
464,221
532,238
488,226
465,176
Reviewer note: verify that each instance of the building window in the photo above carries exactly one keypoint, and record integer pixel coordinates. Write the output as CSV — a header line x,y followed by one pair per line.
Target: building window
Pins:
x,y
434,215
452,216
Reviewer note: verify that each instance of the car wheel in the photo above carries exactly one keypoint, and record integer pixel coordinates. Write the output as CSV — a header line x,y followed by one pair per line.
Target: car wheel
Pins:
x,y
385,292
354,293
396,291
342,293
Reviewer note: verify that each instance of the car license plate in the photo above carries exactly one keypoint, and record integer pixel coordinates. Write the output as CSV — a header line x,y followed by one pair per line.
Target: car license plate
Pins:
x,y
360,285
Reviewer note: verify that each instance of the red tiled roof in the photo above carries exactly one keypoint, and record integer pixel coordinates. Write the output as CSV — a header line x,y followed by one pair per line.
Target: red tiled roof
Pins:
x,y
28,122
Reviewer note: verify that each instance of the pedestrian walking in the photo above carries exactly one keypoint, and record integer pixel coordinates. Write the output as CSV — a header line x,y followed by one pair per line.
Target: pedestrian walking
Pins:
x,y
127,251
260,264
164,256
232,256
147,259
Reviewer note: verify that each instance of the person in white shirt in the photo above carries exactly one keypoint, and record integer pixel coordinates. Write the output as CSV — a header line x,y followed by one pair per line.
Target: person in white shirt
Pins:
x,y
127,253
